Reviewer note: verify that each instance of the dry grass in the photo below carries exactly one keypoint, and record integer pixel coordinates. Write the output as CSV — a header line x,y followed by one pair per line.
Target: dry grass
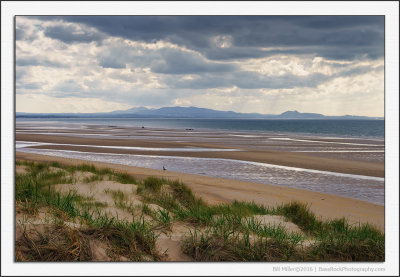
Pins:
x,y
53,243
236,231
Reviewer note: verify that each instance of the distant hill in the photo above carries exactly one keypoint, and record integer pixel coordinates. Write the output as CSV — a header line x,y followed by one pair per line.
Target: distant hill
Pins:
x,y
296,114
188,112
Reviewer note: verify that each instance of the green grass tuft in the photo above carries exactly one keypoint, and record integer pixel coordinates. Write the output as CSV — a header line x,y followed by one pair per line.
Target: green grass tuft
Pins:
x,y
124,178
300,215
153,183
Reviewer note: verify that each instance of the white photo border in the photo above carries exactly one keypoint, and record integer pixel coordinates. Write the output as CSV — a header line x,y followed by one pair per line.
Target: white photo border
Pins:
x,y
11,8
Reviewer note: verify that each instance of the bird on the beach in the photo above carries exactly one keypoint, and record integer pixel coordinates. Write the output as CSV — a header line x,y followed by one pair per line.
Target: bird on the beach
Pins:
x,y
163,168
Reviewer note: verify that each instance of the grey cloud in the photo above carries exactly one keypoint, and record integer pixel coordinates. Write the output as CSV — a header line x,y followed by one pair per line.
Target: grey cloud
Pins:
x,y
113,57
339,22
111,62
254,80
71,34
36,61
137,97
21,34
28,86
236,53
24,32
358,71
180,62
248,80
204,81
130,78
150,98
20,73
120,56
68,86
358,39
353,35
165,60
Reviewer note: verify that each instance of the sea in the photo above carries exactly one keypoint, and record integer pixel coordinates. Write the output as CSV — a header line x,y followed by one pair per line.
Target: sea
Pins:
x,y
330,127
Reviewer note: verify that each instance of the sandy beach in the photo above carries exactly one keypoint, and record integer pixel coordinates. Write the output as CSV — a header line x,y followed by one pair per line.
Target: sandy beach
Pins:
x,y
284,158
216,190
359,160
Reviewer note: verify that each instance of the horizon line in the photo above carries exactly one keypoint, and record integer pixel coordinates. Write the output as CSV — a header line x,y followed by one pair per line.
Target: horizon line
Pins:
x,y
263,114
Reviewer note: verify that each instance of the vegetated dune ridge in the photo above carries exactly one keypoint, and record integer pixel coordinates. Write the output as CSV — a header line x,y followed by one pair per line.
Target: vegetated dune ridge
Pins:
x,y
71,210
215,190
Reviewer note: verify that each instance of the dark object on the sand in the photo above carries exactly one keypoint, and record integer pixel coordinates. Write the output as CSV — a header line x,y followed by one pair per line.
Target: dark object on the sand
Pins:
x,y
163,168
189,129
142,127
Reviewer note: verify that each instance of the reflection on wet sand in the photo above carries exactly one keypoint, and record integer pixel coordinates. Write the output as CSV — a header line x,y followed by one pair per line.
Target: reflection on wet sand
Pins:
x,y
192,152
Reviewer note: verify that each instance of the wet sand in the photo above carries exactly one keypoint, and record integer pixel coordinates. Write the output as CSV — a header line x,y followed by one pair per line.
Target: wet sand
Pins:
x,y
247,153
216,190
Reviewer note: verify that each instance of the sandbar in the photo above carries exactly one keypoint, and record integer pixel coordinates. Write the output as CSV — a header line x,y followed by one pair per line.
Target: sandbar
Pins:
x,y
293,159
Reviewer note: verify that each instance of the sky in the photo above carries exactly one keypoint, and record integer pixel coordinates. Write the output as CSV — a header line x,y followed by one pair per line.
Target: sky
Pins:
x,y
332,65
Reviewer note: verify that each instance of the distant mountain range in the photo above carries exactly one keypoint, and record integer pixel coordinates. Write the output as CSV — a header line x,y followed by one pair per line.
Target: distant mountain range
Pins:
x,y
189,112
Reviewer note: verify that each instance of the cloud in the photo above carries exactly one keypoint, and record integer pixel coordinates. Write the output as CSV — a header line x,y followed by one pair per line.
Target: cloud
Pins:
x,y
28,86
26,29
240,63
68,86
39,103
180,62
73,33
248,80
24,34
168,59
111,62
20,73
237,53
35,61
359,70
353,35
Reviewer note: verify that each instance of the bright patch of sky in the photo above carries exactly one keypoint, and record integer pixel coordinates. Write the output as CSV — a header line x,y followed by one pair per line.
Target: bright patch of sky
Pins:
x,y
332,65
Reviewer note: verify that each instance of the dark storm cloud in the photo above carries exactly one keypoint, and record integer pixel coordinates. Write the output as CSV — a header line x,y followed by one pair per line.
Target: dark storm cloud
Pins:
x,y
353,35
338,22
70,34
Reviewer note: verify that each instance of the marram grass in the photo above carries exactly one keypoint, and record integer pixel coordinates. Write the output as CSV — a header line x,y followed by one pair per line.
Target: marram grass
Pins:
x,y
225,232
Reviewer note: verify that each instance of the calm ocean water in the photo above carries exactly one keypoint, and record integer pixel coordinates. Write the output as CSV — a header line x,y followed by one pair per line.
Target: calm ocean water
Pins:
x,y
342,128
